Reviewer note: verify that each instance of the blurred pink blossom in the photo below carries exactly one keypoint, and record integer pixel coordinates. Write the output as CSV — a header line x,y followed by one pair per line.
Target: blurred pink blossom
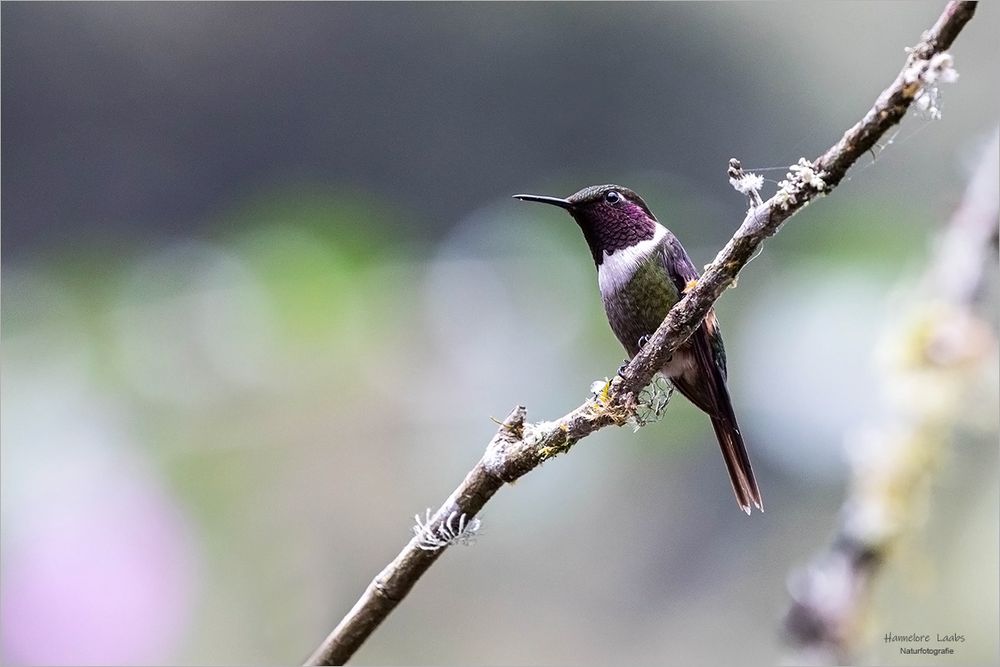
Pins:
x,y
107,578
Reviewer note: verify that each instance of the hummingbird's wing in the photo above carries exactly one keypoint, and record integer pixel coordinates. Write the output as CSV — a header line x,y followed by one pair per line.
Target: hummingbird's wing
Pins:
x,y
705,383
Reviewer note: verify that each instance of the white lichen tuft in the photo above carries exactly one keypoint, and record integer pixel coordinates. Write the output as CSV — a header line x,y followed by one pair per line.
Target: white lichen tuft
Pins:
x,y
929,74
805,172
928,103
599,387
784,196
652,402
456,529
940,69
801,177
748,183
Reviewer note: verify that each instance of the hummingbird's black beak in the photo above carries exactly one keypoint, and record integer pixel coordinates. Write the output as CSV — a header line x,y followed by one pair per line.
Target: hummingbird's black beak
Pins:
x,y
542,199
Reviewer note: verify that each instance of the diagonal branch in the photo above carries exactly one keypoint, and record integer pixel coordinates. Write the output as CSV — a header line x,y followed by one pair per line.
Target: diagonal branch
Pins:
x,y
518,447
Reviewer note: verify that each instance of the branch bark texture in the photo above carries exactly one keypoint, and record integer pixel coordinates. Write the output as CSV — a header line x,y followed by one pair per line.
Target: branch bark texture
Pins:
x,y
519,447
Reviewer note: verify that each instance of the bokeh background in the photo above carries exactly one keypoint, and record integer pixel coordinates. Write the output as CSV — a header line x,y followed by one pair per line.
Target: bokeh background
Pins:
x,y
264,286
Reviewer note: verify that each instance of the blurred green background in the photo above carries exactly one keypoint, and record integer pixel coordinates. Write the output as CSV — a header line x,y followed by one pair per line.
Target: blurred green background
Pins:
x,y
264,286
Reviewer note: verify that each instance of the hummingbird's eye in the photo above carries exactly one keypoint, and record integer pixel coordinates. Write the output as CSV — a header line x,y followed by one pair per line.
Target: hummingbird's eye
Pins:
x,y
613,197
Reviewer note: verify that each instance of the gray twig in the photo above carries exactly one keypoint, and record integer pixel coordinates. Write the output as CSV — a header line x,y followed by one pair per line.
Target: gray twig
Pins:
x,y
519,447
940,347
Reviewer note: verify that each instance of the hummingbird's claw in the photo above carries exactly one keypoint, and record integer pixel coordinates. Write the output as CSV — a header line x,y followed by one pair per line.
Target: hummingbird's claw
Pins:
x,y
643,340
621,369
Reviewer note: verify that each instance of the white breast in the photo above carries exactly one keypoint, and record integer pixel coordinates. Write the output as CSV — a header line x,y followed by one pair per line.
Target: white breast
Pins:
x,y
618,267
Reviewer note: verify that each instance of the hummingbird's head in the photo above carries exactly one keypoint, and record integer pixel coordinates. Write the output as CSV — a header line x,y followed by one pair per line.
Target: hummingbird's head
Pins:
x,y
612,217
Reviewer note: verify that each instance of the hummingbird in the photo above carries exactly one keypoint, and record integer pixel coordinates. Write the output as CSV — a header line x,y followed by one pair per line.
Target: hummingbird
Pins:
x,y
642,271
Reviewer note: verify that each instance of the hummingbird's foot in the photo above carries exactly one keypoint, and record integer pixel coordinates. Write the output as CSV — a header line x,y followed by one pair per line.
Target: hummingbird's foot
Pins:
x,y
621,369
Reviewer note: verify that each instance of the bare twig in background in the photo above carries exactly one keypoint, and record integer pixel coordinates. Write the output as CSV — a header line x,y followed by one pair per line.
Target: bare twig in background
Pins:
x,y
518,446
935,359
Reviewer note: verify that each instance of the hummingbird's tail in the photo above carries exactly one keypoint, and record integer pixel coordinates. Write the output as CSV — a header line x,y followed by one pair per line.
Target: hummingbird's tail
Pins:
x,y
734,451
